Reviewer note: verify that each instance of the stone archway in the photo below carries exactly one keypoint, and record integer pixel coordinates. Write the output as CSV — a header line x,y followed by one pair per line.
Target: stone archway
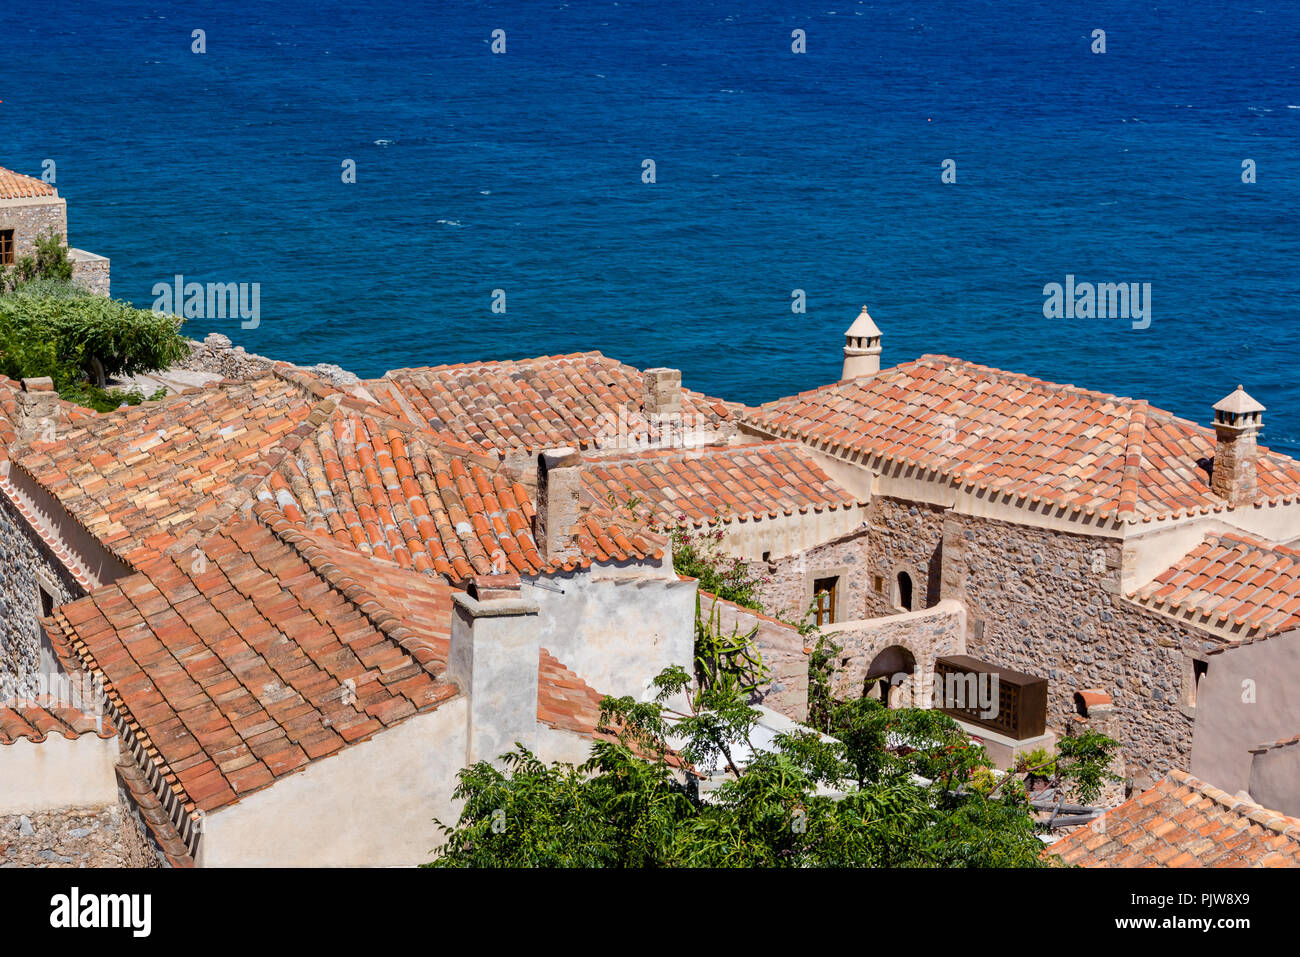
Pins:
x,y
891,677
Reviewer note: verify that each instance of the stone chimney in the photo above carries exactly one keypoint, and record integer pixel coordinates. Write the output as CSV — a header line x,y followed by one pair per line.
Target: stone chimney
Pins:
x,y
861,348
37,411
1238,419
559,484
661,391
493,658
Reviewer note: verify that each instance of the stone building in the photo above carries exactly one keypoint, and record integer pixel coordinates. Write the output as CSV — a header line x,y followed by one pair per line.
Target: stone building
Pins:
x,y
31,208
1053,515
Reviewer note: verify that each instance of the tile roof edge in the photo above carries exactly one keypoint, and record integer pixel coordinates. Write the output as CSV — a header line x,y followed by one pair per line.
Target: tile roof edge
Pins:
x,y
104,730
1275,745
1268,818
449,366
701,593
135,739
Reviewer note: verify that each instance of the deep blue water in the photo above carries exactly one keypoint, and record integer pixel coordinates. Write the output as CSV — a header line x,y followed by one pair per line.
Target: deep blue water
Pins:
x,y
775,172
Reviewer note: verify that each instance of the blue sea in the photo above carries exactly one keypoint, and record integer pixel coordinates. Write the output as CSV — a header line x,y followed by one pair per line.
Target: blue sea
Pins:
x,y
775,171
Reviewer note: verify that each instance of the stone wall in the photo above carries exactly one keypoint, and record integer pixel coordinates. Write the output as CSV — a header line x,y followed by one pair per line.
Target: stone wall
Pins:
x,y
788,588
925,635
217,355
30,219
102,836
90,272
1050,604
27,567
782,649
905,537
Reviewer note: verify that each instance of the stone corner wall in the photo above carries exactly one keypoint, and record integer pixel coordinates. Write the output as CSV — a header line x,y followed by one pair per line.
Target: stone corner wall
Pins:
x,y
906,537
31,219
782,649
1050,603
92,274
27,570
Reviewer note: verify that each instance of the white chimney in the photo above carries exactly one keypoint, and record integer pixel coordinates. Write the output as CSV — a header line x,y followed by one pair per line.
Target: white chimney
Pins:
x,y
861,348
493,658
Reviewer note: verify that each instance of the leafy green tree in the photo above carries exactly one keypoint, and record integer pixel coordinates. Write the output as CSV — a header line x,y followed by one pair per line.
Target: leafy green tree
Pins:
x,y
50,328
902,788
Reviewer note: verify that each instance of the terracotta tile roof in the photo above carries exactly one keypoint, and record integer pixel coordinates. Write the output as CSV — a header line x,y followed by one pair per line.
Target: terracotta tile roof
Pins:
x,y
140,479
37,719
390,490
533,404
1276,745
564,700
1235,584
1034,441
765,479
17,186
1184,822
243,665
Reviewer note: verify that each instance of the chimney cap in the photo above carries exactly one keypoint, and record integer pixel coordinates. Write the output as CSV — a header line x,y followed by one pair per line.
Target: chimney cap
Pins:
x,y
863,327
1239,401
560,457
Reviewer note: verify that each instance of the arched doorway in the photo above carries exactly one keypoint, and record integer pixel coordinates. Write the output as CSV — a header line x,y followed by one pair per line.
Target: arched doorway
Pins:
x,y
903,594
889,677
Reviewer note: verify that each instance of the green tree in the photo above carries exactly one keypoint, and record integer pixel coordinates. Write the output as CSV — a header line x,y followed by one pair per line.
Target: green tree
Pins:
x,y
50,328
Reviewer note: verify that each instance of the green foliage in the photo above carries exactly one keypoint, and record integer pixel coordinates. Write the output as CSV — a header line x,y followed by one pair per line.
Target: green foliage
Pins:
x,y
730,663
51,262
699,554
628,807
50,328
822,665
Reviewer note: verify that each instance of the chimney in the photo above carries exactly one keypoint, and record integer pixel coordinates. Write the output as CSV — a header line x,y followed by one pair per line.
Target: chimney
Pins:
x,y
493,658
1238,419
661,391
559,483
37,411
861,348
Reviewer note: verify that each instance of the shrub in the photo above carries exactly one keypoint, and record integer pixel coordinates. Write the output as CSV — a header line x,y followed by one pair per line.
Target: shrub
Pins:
x,y
50,328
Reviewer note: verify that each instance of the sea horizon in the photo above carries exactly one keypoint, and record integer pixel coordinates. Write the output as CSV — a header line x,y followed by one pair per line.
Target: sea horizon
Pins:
x,y
777,176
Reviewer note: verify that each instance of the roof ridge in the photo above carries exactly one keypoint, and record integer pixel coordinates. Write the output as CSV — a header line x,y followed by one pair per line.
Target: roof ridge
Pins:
x,y
371,606
1134,458
449,366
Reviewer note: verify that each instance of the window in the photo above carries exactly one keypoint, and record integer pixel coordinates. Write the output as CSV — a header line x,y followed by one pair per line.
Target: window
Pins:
x,y
878,583
904,596
6,247
824,594
47,604
1199,668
